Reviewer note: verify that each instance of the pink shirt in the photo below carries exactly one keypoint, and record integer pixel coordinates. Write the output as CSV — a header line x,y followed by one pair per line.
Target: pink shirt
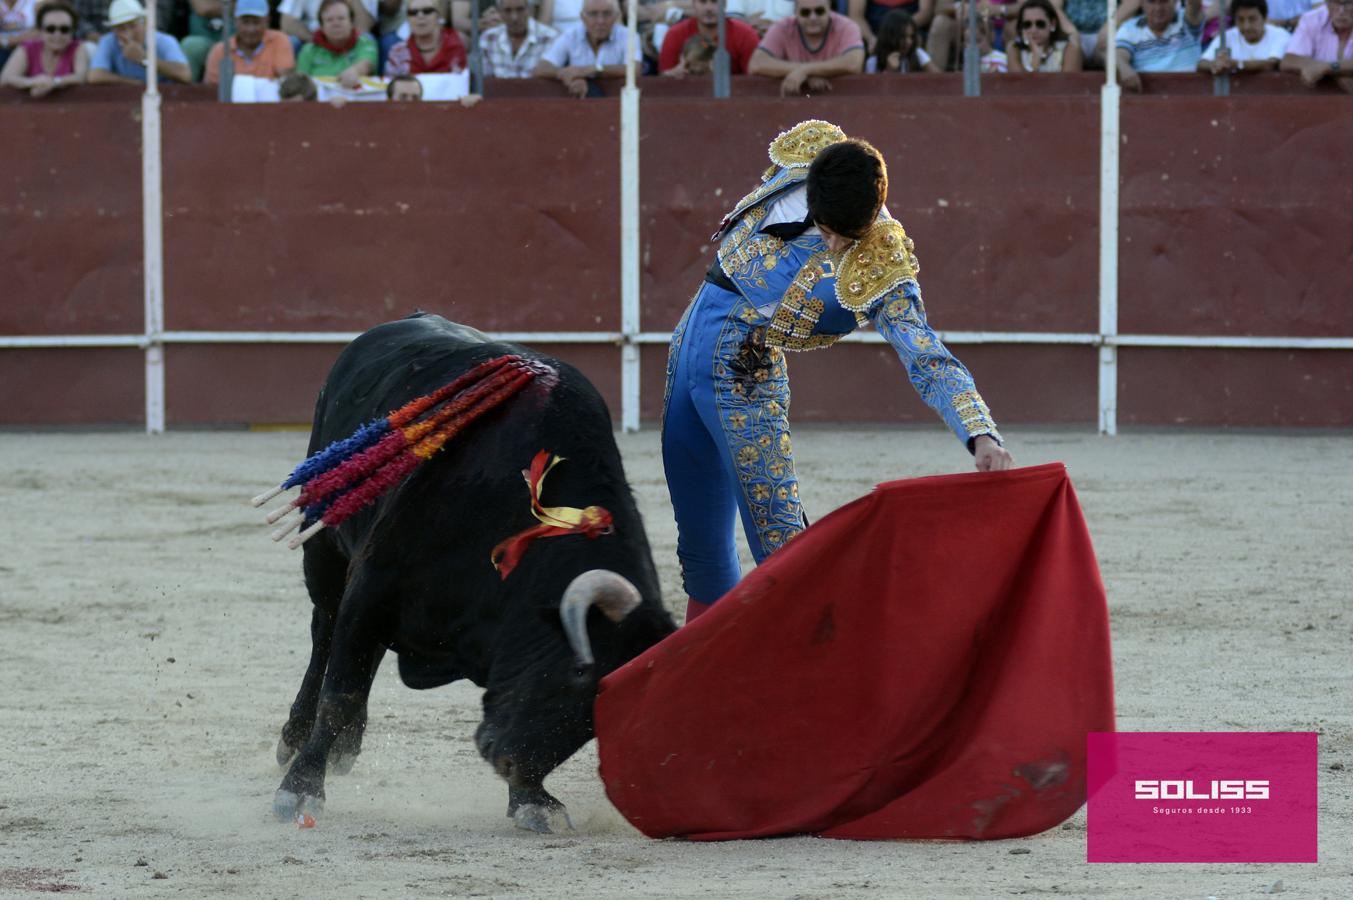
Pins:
x,y
65,63
1315,37
783,40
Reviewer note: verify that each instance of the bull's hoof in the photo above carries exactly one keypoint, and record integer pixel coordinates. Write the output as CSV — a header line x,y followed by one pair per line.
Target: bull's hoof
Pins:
x,y
284,752
286,805
542,819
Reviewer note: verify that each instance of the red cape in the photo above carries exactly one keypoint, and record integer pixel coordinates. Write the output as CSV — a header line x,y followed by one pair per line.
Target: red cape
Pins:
x,y
925,662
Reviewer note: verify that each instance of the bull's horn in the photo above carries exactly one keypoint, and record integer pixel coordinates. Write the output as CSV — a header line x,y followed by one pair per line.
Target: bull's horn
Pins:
x,y
611,593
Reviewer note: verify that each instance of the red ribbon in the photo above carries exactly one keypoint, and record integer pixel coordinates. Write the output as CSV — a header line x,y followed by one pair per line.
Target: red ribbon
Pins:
x,y
555,521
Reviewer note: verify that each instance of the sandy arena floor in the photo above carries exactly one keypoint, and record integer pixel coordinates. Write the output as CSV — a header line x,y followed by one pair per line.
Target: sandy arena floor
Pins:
x,y
153,638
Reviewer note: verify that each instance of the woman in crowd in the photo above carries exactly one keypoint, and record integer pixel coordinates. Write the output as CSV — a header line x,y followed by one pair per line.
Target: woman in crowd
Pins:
x,y
337,50
431,47
1046,42
56,60
898,46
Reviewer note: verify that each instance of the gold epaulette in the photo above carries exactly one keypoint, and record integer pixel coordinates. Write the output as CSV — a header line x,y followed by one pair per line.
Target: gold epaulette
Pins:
x,y
799,145
874,265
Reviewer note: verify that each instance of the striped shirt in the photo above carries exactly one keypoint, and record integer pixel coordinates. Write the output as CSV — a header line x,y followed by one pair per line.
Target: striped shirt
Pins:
x,y
501,62
1177,50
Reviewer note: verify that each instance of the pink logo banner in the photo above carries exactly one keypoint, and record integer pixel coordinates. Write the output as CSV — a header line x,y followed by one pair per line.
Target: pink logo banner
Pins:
x,y
1181,797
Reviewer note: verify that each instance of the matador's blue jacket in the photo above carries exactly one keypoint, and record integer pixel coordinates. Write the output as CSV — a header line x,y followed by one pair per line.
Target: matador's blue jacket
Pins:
x,y
726,435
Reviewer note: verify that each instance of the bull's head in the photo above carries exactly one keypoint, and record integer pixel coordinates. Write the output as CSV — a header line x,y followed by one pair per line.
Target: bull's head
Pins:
x,y
534,722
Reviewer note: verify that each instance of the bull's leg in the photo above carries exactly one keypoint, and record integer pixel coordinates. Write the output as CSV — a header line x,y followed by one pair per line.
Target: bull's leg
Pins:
x,y
302,717
325,578
348,745
529,805
354,656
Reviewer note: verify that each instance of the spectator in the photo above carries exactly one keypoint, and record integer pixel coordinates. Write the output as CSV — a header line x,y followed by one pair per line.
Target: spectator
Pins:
x,y
431,47
697,57
810,48
1089,17
514,48
206,28
1252,45
898,48
1164,39
93,16
992,60
869,16
760,14
300,19
18,25
1319,47
1047,42
391,21
338,50
489,16
594,48
1287,13
255,49
560,14
56,61
950,24
120,57
739,38
404,86
297,87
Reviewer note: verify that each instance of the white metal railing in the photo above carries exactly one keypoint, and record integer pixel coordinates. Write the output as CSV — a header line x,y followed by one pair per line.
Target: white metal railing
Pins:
x,y
621,338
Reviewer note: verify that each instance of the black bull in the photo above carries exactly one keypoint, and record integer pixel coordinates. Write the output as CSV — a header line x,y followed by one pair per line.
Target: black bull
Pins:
x,y
412,573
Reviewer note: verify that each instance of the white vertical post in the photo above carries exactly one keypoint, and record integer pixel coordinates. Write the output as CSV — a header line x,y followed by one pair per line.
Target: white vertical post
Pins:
x,y
1109,103
152,230
629,233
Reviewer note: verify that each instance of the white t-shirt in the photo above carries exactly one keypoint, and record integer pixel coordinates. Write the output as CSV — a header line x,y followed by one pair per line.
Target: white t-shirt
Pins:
x,y
307,11
1271,46
770,10
566,12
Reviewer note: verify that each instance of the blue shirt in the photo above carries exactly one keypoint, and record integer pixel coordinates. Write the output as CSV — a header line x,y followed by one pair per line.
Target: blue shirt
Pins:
x,y
109,56
1178,50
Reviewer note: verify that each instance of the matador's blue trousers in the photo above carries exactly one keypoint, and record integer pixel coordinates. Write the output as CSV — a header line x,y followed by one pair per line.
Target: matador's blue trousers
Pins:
x,y
725,442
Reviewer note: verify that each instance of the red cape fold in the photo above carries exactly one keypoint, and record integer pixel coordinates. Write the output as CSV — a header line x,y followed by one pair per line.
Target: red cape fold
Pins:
x,y
924,662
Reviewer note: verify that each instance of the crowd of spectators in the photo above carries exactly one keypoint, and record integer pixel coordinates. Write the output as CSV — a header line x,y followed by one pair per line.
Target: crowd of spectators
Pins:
x,y
49,45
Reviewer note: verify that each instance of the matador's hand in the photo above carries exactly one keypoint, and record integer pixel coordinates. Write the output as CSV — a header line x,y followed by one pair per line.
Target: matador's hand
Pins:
x,y
991,456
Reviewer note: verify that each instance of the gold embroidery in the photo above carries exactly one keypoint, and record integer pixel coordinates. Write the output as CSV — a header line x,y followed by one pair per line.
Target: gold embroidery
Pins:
x,y
973,413
796,315
874,265
751,259
801,144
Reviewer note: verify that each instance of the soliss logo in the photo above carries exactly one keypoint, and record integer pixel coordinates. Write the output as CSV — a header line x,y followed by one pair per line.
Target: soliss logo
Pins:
x,y
1202,790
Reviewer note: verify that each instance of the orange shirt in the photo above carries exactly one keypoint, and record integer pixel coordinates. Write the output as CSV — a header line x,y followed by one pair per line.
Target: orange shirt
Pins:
x,y
273,58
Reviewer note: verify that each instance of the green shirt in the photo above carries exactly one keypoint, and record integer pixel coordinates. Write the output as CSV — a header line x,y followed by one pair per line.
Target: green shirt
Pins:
x,y
315,60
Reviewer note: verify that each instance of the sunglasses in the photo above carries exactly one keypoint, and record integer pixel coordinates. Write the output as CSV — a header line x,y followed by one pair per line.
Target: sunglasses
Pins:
x,y
815,11
1038,23
58,29
423,11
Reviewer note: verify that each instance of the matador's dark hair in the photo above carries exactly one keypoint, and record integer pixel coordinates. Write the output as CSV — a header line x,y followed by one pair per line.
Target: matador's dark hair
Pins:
x,y
847,186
